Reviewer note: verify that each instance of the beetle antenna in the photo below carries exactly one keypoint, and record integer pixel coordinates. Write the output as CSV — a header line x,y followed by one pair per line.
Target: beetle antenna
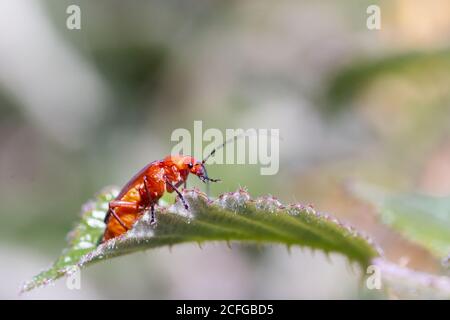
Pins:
x,y
221,146
208,187
225,143
207,179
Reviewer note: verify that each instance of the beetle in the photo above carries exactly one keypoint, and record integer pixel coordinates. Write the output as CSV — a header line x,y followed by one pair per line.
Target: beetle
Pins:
x,y
143,191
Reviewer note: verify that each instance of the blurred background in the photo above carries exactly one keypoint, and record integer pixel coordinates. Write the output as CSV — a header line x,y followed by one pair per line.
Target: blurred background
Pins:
x,y
82,109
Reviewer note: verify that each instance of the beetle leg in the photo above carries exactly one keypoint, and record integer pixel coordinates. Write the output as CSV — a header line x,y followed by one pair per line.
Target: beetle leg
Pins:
x,y
153,216
117,218
123,204
178,192
152,206
147,190
119,204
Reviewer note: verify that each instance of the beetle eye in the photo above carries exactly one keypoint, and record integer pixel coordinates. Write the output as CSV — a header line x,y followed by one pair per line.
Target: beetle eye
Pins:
x,y
190,165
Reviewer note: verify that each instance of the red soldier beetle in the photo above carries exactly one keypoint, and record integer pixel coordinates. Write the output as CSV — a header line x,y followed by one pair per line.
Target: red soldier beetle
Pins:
x,y
143,191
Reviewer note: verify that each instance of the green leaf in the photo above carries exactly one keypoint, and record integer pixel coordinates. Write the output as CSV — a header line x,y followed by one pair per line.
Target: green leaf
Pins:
x,y
422,219
82,240
232,217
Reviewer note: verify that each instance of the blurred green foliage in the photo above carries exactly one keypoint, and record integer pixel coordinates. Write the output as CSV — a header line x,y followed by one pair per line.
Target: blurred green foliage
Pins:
x,y
421,218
